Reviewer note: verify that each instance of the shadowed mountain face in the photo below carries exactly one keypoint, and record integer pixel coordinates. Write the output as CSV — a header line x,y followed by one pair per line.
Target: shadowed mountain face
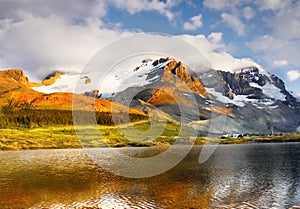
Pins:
x,y
252,99
250,82
258,99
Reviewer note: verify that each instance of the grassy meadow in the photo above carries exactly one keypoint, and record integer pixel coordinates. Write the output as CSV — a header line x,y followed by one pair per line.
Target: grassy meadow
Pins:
x,y
65,136
140,133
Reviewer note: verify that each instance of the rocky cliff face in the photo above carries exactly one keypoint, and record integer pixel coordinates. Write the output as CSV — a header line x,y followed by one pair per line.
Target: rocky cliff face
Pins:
x,y
258,99
251,82
172,86
290,99
15,76
182,79
238,83
172,79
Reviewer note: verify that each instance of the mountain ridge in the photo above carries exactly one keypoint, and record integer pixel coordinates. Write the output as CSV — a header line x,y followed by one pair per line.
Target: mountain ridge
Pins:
x,y
16,93
252,98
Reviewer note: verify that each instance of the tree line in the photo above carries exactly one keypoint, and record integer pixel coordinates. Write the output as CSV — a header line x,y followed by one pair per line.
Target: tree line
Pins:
x,y
30,118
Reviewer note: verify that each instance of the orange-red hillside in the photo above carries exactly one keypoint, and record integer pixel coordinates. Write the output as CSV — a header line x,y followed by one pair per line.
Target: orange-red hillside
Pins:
x,y
16,93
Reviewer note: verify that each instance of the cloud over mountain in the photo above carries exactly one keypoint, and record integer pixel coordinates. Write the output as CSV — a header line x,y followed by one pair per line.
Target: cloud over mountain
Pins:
x,y
42,36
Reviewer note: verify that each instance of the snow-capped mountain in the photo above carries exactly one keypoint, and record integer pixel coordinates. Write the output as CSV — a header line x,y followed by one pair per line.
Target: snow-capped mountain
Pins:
x,y
258,99
253,99
108,83
248,85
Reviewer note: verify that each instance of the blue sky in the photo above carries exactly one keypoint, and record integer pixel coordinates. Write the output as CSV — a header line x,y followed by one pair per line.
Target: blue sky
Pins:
x,y
42,36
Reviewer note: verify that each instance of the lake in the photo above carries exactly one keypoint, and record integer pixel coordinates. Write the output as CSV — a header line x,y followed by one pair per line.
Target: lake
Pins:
x,y
253,175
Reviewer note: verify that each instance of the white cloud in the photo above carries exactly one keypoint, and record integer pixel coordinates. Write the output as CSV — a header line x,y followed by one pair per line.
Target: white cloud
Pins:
x,y
276,49
226,62
286,22
248,13
215,4
211,46
172,3
81,10
42,36
212,43
233,12
233,21
199,41
298,129
221,5
194,24
280,63
137,6
280,48
67,9
283,20
39,45
293,75
42,44
271,4
215,38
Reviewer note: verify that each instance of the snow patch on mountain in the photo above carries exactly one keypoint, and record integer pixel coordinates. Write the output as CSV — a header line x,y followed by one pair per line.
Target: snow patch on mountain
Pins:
x,y
270,90
242,100
123,75
254,70
74,83
219,96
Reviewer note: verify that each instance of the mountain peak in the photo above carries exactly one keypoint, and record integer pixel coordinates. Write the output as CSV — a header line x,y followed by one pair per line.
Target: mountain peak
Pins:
x,y
51,78
247,69
15,74
53,74
186,82
48,80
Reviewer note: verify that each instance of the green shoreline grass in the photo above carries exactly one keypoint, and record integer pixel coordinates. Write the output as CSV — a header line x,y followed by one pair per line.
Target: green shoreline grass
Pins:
x,y
263,139
65,137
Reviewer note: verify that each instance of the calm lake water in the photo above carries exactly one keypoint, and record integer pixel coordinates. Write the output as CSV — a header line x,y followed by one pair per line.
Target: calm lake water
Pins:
x,y
257,175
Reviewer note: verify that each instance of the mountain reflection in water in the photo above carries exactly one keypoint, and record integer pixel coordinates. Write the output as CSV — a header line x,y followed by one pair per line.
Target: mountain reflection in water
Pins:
x,y
256,175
